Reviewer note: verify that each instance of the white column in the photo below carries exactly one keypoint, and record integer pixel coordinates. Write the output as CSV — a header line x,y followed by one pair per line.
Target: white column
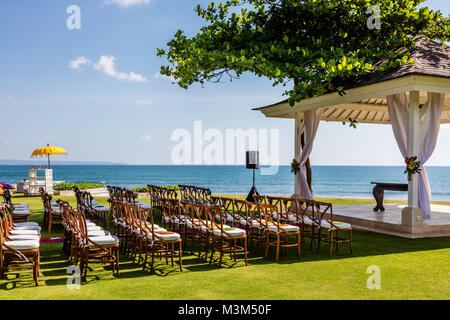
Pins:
x,y
412,215
297,151
413,146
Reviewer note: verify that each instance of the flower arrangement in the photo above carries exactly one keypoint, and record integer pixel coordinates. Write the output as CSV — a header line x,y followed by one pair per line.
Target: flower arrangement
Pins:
x,y
7,186
295,166
412,166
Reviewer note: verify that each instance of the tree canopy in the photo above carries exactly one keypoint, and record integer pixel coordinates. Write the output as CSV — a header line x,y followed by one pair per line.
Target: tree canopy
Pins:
x,y
315,45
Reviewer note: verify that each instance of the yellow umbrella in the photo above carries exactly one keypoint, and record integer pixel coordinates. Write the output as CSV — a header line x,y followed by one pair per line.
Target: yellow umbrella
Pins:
x,y
47,151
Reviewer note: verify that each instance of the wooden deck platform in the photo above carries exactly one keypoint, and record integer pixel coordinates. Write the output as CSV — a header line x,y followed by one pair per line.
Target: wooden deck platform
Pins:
x,y
363,217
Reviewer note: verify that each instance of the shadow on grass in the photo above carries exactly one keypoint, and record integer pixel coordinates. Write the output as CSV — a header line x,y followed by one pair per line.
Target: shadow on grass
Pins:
x,y
53,271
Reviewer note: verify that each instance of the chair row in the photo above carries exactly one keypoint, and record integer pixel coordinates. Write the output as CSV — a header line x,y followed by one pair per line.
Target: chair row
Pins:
x,y
158,192
94,211
315,219
198,226
86,242
20,212
19,244
141,238
212,228
125,195
195,194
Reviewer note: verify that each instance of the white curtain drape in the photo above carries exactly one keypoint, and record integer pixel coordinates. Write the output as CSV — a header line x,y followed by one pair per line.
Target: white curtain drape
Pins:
x,y
311,123
398,113
398,108
429,131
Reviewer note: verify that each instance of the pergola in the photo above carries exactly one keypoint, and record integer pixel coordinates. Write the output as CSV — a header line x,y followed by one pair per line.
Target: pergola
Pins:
x,y
376,99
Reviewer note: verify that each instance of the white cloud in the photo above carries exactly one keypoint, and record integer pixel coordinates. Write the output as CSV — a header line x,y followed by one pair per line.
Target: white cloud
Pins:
x,y
127,3
142,102
78,62
158,75
106,64
147,137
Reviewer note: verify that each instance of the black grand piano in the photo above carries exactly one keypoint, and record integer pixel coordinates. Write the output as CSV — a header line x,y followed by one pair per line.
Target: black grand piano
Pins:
x,y
378,191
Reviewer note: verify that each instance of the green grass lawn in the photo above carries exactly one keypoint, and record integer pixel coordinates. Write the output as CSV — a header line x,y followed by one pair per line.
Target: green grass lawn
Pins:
x,y
410,269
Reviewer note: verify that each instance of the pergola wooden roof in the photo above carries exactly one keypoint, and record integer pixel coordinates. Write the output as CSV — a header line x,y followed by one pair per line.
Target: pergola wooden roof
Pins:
x,y
365,98
372,110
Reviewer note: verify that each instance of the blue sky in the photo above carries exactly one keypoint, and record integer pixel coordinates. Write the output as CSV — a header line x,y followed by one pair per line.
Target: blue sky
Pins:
x,y
103,112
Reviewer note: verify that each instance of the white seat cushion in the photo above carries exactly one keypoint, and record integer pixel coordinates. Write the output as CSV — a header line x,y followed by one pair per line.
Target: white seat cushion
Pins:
x,y
27,228
305,220
284,227
22,208
191,223
283,215
25,211
18,224
158,229
94,228
229,232
243,222
214,227
107,240
173,220
32,232
102,233
22,244
144,205
165,236
337,225
24,237
256,224
308,221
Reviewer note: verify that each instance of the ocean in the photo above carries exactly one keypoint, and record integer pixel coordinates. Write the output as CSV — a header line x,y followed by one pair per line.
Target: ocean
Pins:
x,y
328,181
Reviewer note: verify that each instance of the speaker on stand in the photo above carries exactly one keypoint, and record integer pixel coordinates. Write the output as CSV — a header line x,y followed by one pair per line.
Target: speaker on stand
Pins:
x,y
252,162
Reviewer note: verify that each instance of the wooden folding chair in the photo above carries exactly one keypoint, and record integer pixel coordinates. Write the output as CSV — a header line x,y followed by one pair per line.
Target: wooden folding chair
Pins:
x,y
20,253
285,206
157,242
53,213
330,230
98,249
277,233
224,239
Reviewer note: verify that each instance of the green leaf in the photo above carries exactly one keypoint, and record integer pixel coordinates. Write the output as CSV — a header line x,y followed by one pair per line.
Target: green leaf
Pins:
x,y
320,44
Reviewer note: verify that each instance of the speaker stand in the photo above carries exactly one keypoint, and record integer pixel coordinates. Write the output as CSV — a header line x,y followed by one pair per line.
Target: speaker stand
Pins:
x,y
253,191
